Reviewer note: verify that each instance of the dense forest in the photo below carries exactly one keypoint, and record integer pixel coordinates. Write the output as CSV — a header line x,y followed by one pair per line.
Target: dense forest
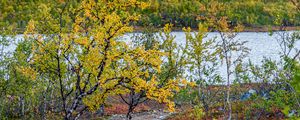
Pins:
x,y
68,59
183,13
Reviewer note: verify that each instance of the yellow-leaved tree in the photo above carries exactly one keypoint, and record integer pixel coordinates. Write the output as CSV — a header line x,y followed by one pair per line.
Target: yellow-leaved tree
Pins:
x,y
78,47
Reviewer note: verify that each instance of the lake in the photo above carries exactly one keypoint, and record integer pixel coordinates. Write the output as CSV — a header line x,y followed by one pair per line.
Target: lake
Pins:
x,y
262,44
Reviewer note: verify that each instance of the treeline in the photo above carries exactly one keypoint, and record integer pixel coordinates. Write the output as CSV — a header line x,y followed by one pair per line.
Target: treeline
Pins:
x,y
182,13
250,13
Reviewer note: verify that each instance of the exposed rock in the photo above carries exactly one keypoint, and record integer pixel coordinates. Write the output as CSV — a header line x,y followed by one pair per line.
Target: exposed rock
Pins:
x,y
248,94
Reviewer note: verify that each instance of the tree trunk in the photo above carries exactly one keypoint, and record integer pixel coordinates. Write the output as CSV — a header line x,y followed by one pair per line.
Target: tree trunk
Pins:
x,y
228,88
44,108
128,115
22,105
101,110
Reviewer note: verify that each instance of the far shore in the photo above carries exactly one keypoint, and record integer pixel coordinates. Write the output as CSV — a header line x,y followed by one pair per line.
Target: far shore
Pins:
x,y
138,29
246,29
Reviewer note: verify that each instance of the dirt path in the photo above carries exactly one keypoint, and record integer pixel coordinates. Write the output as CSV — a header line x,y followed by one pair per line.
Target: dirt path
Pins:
x,y
150,115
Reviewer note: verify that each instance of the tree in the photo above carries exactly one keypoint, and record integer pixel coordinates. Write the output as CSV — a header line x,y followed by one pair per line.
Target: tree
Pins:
x,y
227,46
172,66
77,48
203,63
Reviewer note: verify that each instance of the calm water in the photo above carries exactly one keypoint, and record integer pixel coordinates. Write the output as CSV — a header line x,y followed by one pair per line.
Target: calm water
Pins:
x,y
261,45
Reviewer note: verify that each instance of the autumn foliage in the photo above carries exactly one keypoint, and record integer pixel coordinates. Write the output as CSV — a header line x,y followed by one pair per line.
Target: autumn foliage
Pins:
x,y
69,59
80,51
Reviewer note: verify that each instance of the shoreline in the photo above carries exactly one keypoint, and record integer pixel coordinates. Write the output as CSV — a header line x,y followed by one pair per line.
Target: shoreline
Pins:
x,y
246,29
140,29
